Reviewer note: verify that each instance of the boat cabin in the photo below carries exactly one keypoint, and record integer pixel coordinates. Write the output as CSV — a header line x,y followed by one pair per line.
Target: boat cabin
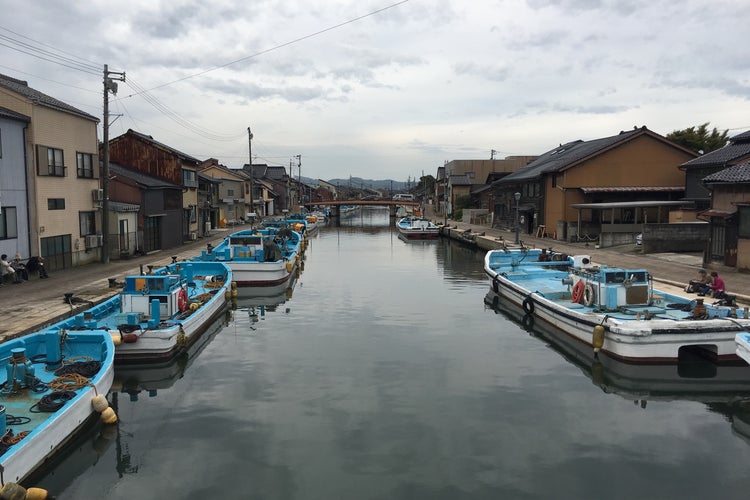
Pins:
x,y
141,294
245,247
611,288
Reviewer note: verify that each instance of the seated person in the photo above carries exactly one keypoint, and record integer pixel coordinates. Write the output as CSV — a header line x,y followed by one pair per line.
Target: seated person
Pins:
x,y
19,267
7,269
36,263
699,282
716,288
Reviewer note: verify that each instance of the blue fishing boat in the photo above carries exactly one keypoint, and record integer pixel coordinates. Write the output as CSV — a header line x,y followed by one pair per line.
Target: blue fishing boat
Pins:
x,y
53,381
615,311
265,257
160,313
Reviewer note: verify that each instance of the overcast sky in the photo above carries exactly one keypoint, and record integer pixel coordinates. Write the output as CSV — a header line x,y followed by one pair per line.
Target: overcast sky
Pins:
x,y
386,89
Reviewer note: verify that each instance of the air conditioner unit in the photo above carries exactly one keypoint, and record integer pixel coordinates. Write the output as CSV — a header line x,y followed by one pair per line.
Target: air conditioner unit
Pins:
x,y
93,241
97,194
193,236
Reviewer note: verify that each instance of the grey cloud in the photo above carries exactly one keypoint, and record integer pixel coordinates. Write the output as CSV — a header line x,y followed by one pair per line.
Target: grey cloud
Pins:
x,y
493,73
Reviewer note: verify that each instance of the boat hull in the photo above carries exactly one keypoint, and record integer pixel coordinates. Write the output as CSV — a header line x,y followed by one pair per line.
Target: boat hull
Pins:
x,y
694,379
271,275
742,346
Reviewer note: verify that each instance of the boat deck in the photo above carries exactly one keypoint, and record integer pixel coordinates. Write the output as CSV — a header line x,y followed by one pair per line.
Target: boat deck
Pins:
x,y
548,283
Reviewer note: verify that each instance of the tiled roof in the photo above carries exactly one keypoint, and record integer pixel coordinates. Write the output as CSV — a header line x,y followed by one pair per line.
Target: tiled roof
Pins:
x,y
735,173
569,154
738,149
139,177
460,180
632,189
21,87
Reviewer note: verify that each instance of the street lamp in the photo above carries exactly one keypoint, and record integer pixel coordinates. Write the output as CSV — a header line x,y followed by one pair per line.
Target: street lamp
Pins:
x,y
445,202
517,196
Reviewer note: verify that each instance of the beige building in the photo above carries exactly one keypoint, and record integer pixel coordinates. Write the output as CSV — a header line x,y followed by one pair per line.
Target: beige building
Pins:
x,y
63,176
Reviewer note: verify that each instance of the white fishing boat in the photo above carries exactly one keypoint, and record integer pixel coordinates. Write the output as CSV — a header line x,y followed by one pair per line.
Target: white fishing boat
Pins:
x,y
615,311
417,228
265,258
161,313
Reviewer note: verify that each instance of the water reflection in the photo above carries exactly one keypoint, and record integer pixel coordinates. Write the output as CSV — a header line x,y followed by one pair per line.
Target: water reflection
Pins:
x,y
76,458
725,388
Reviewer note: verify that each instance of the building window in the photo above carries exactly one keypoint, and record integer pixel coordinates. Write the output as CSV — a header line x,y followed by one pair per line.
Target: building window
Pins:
x,y
230,192
744,221
55,203
87,221
8,223
85,165
50,161
172,200
189,178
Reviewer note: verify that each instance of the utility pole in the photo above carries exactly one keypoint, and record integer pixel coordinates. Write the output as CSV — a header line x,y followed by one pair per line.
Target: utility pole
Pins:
x,y
250,159
109,86
289,187
299,178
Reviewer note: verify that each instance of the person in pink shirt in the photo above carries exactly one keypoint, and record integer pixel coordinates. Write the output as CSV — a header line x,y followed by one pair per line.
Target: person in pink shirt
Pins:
x,y
717,287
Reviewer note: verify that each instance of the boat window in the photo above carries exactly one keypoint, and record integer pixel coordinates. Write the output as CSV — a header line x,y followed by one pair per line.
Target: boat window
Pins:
x,y
615,277
156,284
637,276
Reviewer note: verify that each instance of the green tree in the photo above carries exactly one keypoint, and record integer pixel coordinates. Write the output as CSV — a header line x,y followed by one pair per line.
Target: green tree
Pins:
x,y
699,140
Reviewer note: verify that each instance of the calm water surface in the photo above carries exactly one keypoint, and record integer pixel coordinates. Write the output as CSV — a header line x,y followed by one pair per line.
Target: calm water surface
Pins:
x,y
387,376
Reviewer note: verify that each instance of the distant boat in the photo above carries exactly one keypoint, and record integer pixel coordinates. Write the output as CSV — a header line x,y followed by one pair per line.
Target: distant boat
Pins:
x,y
49,383
159,314
264,258
417,228
613,310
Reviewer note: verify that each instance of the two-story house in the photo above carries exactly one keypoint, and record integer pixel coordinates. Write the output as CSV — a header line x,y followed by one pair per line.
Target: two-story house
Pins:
x,y
232,189
155,159
62,176
583,188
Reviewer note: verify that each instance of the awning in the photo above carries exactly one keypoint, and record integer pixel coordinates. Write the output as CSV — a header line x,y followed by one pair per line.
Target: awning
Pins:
x,y
714,212
118,206
632,189
628,204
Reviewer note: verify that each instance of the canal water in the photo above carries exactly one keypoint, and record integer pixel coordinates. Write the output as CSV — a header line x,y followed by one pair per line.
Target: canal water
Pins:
x,y
390,372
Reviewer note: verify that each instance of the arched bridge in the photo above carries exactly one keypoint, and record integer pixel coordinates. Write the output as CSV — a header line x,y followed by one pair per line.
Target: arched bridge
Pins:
x,y
380,203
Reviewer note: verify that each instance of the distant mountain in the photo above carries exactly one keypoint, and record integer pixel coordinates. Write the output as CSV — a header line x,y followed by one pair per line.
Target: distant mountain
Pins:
x,y
359,183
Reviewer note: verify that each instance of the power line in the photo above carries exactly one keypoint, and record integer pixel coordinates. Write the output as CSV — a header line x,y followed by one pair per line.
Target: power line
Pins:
x,y
285,44
54,56
172,115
